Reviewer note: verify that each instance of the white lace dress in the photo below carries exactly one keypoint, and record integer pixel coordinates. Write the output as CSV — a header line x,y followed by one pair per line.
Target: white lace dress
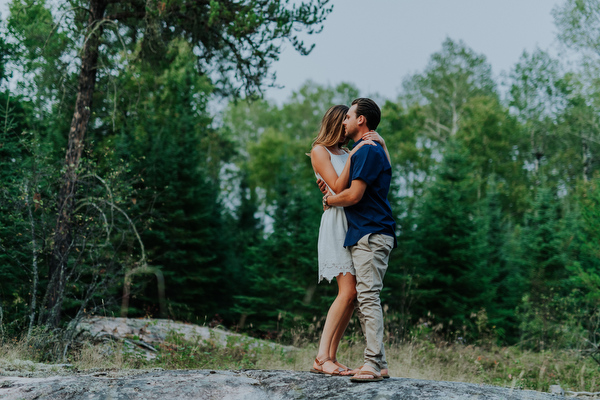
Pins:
x,y
334,259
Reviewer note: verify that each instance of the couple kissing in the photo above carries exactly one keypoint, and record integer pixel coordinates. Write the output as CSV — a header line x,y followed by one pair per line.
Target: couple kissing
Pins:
x,y
357,232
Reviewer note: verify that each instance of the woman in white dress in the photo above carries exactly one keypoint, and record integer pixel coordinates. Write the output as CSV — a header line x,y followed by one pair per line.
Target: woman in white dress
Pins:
x,y
328,159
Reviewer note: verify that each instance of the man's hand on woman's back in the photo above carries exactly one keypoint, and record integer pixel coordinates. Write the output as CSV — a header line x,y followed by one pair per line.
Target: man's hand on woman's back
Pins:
x,y
322,186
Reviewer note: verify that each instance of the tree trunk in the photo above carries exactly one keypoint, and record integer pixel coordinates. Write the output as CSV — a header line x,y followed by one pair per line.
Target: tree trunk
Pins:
x,y
63,239
34,264
587,162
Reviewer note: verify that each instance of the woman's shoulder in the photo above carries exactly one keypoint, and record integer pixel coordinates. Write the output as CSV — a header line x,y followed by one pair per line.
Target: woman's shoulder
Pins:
x,y
319,150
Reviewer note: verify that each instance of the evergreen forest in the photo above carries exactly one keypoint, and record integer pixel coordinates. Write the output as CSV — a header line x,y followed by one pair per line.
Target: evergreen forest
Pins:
x,y
143,174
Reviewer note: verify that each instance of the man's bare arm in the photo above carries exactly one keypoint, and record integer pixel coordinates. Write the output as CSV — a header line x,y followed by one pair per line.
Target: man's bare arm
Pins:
x,y
348,197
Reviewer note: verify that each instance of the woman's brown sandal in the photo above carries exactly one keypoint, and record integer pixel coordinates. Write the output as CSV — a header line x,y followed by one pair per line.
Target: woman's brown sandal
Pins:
x,y
342,366
320,371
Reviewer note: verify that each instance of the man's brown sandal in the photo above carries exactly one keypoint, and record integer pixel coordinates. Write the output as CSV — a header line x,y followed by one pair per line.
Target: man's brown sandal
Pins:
x,y
320,371
351,372
375,377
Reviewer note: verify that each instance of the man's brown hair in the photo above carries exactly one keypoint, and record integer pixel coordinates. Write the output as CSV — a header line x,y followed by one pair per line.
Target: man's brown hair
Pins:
x,y
370,110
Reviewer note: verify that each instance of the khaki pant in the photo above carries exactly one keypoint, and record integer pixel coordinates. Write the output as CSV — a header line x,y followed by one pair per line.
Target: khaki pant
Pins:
x,y
370,257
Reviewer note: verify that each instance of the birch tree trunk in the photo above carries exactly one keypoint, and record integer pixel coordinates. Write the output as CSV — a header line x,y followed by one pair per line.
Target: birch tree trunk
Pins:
x,y
586,159
34,272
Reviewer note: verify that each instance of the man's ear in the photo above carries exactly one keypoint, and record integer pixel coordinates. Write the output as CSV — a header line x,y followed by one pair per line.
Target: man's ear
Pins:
x,y
361,120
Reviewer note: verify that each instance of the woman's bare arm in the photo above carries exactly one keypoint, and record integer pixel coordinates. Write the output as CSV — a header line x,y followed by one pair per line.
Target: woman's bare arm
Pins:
x,y
376,137
321,162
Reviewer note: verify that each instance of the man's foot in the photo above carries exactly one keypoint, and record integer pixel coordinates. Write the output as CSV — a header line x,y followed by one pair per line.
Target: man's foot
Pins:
x,y
367,374
325,366
349,372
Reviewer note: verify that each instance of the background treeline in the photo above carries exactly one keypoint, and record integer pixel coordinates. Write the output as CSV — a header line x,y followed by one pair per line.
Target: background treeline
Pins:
x,y
495,183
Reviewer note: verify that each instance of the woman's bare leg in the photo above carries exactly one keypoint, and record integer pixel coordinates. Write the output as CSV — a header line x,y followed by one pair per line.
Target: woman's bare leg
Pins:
x,y
347,290
336,317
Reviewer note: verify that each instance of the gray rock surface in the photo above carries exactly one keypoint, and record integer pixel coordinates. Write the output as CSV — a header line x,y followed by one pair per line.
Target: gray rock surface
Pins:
x,y
244,385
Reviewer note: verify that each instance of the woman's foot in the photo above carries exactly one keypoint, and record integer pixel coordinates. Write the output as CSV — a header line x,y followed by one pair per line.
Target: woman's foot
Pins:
x,y
325,366
350,372
340,365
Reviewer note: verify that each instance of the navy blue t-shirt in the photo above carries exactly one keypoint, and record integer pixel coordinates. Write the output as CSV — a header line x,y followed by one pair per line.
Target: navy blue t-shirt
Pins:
x,y
373,213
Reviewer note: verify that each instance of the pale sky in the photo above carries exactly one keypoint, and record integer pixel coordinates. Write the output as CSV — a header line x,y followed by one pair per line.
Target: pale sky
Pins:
x,y
376,43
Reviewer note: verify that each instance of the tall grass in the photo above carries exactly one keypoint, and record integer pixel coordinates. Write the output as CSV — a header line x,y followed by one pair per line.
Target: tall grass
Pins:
x,y
499,366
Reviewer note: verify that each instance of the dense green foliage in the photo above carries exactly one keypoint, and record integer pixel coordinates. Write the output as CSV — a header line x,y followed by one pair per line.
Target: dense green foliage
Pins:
x,y
496,196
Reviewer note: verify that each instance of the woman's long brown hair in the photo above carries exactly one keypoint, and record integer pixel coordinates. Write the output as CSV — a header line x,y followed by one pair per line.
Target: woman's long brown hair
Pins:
x,y
332,129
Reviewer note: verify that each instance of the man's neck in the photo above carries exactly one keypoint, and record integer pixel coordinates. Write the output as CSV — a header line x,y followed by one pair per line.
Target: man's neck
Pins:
x,y
359,134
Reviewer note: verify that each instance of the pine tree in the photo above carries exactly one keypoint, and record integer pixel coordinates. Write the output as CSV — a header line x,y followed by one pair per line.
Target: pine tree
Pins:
x,y
282,273
544,259
455,278
17,198
506,276
174,153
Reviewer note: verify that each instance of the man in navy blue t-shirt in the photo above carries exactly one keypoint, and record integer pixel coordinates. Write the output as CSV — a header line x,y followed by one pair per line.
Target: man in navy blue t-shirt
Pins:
x,y
371,229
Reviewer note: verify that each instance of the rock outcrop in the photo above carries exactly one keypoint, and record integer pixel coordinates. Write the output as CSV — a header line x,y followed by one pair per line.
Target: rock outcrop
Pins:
x,y
244,385
147,333
26,380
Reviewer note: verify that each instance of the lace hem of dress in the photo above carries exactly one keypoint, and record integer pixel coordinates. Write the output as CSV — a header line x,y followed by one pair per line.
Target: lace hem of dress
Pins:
x,y
330,271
